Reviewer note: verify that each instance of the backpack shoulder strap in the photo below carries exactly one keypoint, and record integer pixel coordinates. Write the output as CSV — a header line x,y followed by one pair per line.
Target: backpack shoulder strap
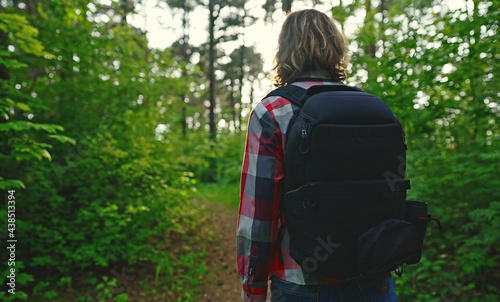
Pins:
x,y
293,93
299,95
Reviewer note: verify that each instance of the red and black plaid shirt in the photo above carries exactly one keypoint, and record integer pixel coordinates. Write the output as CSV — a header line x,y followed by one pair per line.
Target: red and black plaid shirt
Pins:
x,y
263,243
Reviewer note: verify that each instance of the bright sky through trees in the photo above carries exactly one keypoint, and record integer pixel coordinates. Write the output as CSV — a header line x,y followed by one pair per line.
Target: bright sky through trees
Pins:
x,y
163,30
164,27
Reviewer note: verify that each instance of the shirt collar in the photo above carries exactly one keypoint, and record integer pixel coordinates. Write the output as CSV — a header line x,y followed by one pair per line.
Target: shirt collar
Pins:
x,y
313,74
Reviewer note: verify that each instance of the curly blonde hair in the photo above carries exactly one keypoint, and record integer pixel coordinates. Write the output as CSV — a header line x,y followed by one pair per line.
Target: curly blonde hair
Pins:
x,y
309,41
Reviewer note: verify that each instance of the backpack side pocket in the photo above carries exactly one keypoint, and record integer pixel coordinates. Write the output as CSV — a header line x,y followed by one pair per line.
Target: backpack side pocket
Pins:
x,y
416,213
386,246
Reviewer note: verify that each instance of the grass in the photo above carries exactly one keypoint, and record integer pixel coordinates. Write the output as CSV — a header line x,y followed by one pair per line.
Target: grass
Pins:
x,y
228,194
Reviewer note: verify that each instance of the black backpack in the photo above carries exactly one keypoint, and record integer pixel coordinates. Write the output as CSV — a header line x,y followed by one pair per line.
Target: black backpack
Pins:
x,y
344,192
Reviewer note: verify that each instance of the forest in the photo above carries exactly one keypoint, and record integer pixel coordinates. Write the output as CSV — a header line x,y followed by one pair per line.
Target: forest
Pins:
x,y
113,152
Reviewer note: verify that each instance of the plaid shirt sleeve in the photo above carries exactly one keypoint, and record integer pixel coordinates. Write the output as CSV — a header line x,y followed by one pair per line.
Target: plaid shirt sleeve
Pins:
x,y
260,195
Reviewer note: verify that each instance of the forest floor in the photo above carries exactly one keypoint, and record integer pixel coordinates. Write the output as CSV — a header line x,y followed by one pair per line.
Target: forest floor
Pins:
x,y
223,282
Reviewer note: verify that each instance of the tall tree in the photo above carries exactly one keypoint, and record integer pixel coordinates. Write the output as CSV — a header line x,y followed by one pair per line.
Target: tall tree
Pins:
x,y
242,19
185,7
244,66
213,16
215,8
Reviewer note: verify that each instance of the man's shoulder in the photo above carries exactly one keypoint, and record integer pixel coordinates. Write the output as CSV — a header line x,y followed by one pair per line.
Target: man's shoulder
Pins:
x,y
282,96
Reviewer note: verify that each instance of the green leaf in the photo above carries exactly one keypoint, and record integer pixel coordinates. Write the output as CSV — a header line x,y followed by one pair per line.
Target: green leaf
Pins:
x,y
11,63
10,184
7,102
21,33
46,154
63,138
17,126
23,106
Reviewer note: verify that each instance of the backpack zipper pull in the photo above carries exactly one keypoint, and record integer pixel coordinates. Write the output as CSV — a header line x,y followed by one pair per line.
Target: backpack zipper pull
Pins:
x,y
304,145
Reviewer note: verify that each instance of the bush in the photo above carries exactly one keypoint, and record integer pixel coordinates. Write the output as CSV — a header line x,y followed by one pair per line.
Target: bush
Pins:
x,y
108,205
220,161
460,186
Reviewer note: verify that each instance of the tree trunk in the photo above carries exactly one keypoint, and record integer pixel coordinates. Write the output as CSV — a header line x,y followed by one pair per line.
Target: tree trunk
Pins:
x,y
4,71
477,108
211,30
287,6
211,112
341,7
370,47
252,91
185,57
242,75
124,10
232,100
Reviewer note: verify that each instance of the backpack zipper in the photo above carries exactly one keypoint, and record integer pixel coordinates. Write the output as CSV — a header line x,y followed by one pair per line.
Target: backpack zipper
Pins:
x,y
305,133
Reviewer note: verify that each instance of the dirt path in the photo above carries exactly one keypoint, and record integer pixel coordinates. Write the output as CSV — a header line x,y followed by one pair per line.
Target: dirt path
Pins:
x,y
224,284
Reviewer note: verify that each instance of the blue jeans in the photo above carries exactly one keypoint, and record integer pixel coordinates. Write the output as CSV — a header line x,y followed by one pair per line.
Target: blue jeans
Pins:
x,y
374,289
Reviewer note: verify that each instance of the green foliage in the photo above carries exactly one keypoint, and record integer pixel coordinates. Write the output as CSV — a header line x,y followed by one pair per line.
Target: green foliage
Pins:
x,y
21,34
88,227
424,282
460,191
105,291
21,140
9,184
199,151
227,152
479,253
219,192
182,273
113,189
